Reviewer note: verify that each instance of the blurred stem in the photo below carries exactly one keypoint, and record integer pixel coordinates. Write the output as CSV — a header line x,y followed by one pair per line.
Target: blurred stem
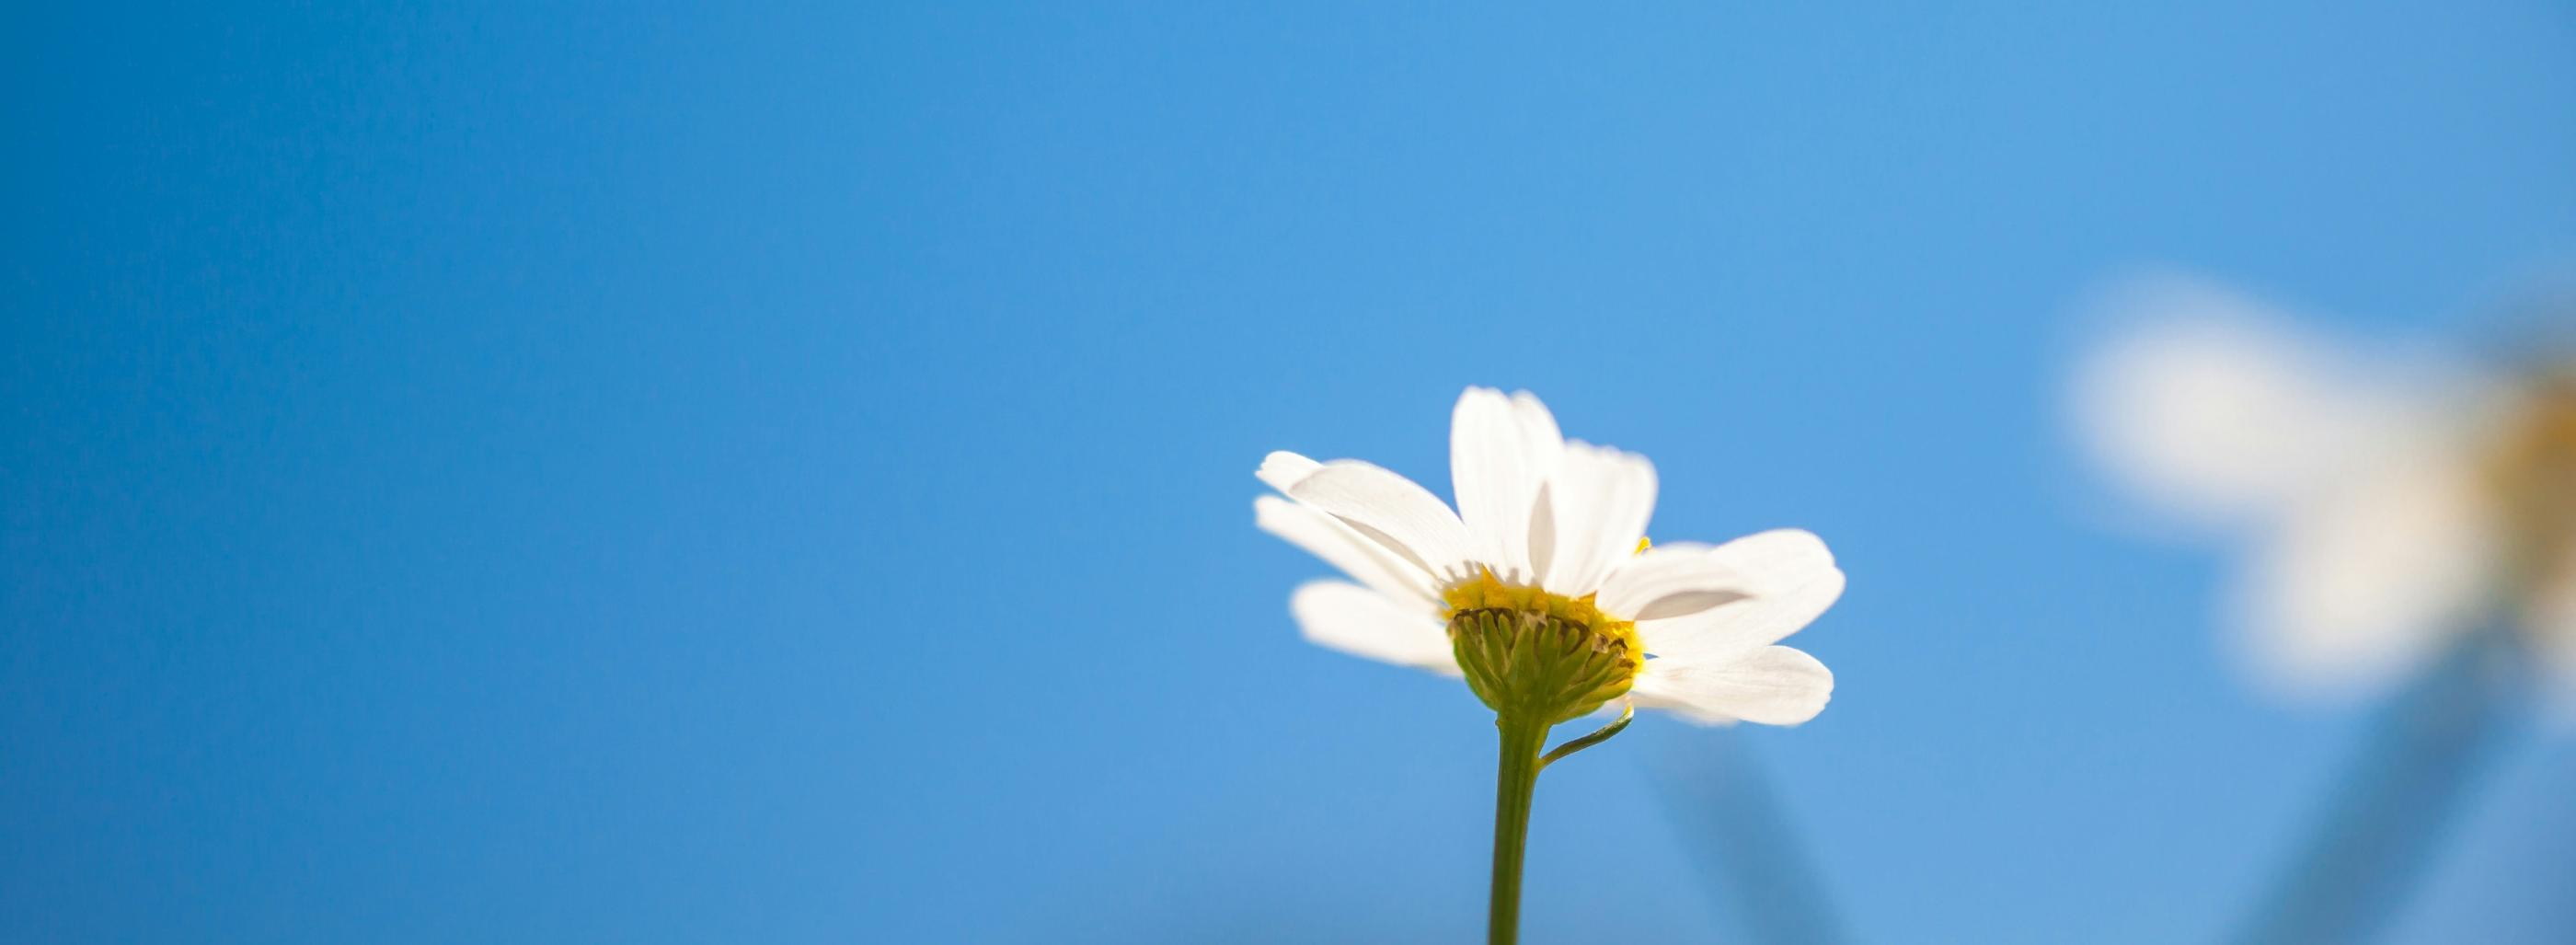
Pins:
x,y
1515,783
1743,840
2377,836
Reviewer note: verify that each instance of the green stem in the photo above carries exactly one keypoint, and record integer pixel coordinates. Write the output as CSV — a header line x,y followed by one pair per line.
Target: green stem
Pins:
x,y
1515,783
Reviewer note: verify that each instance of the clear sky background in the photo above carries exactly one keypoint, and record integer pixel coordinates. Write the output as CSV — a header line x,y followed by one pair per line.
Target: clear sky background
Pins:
x,y
545,473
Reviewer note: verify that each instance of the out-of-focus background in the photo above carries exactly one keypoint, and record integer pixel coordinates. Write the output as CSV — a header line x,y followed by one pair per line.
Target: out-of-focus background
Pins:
x,y
597,473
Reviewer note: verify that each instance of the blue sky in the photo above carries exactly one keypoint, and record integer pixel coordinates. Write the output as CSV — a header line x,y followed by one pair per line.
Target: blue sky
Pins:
x,y
784,474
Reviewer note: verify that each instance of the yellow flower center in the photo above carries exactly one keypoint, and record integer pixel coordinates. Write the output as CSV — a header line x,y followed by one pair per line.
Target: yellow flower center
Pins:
x,y
2533,477
1486,592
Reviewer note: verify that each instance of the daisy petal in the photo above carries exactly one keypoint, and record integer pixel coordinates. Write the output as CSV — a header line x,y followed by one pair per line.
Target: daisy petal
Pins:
x,y
1498,457
1538,426
2365,580
1761,588
1547,451
1669,570
1326,537
1282,469
1774,685
1602,498
2212,406
1355,620
1391,510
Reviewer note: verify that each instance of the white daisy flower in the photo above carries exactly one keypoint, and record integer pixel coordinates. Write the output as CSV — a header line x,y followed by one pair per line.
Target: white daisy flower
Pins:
x,y
1541,588
2392,501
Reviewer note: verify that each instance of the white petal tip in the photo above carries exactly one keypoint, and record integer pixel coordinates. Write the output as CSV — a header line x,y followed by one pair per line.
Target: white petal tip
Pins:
x,y
1774,685
1281,469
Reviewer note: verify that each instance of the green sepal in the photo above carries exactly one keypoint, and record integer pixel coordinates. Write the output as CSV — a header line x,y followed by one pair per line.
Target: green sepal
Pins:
x,y
1525,664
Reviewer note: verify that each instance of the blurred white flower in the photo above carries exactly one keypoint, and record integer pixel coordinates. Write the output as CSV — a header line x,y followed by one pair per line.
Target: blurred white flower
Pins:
x,y
1551,532
2392,500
